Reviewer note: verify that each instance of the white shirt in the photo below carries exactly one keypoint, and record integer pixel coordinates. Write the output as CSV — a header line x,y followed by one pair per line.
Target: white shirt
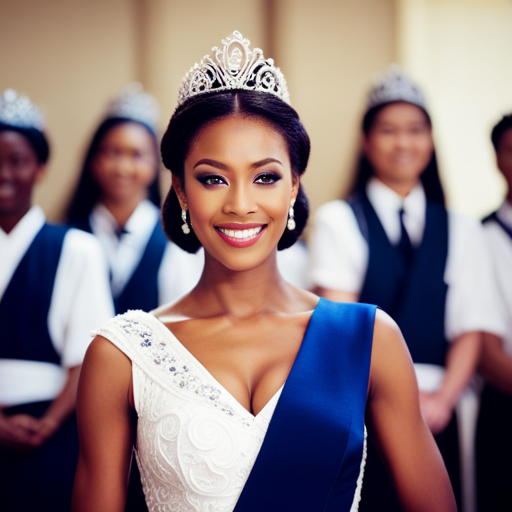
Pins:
x,y
500,245
80,301
339,255
179,271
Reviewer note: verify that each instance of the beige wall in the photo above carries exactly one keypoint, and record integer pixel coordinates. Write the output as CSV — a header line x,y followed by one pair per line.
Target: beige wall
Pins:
x,y
68,57
460,51
328,51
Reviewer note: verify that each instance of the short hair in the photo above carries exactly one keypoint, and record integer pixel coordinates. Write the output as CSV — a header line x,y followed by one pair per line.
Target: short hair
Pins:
x,y
504,124
197,112
36,138
87,191
429,177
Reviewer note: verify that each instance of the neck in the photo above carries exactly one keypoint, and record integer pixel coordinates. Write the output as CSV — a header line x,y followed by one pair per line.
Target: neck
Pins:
x,y
9,220
402,188
121,210
242,293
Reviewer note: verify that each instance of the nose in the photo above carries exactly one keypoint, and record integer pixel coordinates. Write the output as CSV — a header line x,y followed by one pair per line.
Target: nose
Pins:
x,y
239,201
402,139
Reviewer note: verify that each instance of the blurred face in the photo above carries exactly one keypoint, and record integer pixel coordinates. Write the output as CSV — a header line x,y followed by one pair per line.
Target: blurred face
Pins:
x,y
399,145
504,156
124,165
238,189
19,171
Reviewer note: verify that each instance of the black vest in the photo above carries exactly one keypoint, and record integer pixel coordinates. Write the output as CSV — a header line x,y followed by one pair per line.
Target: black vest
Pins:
x,y
25,304
414,296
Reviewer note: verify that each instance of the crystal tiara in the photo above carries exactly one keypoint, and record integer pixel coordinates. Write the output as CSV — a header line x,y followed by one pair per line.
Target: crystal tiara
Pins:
x,y
133,103
394,85
19,111
235,66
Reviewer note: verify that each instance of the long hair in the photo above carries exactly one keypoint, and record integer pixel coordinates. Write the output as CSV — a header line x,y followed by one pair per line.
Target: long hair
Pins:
x,y
87,192
364,171
196,113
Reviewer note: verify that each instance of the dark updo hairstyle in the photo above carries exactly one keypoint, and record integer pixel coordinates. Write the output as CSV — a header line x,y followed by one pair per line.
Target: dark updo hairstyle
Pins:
x,y
195,114
429,177
498,131
87,192
36,138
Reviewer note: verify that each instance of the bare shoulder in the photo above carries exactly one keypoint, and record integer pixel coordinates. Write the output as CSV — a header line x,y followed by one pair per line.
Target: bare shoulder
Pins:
x,y
105,362
391,362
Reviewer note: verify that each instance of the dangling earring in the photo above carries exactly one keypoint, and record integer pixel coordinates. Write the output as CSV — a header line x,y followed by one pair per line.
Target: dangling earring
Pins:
x,y
185,227
291,221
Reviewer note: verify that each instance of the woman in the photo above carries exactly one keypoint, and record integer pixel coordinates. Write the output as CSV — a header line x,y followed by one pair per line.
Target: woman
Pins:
x,y
394,244
53,290
117,199
260,404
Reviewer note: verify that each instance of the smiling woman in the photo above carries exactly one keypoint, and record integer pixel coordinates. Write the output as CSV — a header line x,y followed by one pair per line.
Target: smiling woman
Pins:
x,y
250,394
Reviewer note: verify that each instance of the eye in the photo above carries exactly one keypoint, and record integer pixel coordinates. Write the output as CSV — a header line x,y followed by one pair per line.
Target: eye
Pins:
x,y
267,178
212,180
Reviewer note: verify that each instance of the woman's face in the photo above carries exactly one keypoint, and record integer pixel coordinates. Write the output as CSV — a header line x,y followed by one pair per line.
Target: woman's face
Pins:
x,y
20,169
238,189
124,165
399,145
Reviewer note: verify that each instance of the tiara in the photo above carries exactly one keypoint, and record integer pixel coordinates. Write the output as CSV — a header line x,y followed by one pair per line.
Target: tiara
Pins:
x,y
19,111
394,85
235,66
133,103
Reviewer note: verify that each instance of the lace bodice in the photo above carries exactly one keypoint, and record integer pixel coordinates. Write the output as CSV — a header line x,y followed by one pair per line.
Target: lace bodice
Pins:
x,y
196,444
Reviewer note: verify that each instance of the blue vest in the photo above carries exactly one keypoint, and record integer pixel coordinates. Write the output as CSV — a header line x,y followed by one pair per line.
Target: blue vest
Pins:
x,y
416,296
311,456
25,304
141,291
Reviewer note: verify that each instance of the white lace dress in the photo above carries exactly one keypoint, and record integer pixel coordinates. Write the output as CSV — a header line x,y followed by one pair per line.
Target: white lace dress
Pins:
x,y
196,445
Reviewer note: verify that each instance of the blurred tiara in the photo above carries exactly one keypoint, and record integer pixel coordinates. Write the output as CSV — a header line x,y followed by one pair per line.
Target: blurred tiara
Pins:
x,y
235,66
394,85
19,111
133,103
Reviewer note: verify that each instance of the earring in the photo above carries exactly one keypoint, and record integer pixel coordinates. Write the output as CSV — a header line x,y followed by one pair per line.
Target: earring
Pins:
x,y
185,227
291,221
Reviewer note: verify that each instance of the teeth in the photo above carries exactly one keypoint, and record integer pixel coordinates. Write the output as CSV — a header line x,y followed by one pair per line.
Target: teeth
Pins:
x,y
241,233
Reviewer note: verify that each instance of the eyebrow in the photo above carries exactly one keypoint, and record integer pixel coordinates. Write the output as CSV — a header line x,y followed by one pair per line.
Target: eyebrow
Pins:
x,y
224,167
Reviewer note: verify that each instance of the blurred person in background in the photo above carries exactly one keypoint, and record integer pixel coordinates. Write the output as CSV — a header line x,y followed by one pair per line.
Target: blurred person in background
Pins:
x,y
118,200
394,244
494,439
53,291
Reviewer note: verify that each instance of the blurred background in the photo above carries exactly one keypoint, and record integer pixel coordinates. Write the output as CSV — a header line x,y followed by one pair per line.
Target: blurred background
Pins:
x,y
70,57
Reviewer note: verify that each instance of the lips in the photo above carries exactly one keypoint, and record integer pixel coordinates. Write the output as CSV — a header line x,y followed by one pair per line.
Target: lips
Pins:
x,y
240,235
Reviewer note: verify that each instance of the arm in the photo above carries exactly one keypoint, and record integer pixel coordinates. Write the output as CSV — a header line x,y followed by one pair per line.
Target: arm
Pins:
x,y
495,364
396,425
461,361
105,428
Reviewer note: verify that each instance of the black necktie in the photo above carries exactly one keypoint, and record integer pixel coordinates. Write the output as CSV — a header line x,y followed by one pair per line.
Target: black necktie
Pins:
x,y
404,245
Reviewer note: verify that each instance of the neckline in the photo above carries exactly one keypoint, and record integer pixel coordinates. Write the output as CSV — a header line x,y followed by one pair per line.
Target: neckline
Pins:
x,y
274,398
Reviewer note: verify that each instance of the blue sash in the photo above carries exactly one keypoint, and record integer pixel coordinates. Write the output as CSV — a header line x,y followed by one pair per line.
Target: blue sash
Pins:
x,y
311,456
26,302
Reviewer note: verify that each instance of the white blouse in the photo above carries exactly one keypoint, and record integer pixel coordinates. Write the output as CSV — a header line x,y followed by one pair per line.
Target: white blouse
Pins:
x,y
81,300
339,255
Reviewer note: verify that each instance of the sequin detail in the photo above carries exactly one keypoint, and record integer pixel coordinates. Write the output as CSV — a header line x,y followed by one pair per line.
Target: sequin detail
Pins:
x,y
181,376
